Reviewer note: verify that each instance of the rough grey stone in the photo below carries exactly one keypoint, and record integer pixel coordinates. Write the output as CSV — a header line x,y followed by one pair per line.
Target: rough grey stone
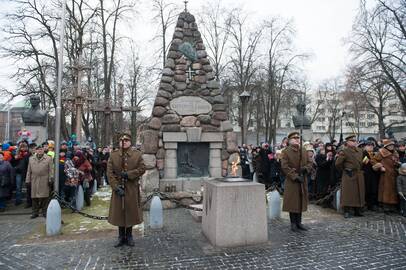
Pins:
x,y
215,92
171,128
180,78
155,123
158,111
188,121
219,107
160,101
215,122
226,126
174,54
200,79
167,87
160,154
150,180
170,119
209,128
204,118
201,54
207,68
166,79
170,63
231,141
178,34
218,99
210,76
180,86
196,66
224,156
149,141
149,161
164,94
167,72
213,84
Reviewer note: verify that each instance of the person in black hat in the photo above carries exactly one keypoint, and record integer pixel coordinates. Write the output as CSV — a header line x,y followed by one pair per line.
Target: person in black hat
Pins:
x,y
401,148
124,169
349,161
296,194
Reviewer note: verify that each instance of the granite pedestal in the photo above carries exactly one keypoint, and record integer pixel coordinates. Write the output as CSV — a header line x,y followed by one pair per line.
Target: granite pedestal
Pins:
x,y
234,213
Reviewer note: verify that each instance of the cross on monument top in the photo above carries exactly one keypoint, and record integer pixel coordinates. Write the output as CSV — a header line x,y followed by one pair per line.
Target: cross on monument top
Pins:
x,y
185,5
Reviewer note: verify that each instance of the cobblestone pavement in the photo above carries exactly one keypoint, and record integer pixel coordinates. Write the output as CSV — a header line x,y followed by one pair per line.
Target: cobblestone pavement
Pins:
x,y
376,241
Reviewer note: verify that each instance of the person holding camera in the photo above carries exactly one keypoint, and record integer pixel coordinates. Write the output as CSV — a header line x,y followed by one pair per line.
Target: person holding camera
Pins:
x,y
349,161
124,169
296,166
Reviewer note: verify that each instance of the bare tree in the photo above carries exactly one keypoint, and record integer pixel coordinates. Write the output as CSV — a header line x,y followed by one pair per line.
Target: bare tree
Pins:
x,y
379,41
109,19
165,17
215,31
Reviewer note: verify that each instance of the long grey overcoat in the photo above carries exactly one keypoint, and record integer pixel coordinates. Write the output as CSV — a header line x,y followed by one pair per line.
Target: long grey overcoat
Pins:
x,y
135,167
349,161
295,197
40,175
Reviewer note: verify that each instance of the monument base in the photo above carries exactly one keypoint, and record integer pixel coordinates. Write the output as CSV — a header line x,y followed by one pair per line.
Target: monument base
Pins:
x,y
39,134
234,213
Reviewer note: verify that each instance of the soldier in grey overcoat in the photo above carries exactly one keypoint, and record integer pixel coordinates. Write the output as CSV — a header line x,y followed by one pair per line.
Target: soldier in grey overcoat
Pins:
x,y
295,197
349,161
124,169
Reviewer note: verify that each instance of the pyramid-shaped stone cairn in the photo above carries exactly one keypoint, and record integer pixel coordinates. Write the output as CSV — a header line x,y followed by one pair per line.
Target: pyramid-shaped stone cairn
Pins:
x,y
189,107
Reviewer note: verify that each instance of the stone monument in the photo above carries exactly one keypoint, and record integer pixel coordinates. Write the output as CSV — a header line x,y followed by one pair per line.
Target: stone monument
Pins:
x,y
188,138
35,121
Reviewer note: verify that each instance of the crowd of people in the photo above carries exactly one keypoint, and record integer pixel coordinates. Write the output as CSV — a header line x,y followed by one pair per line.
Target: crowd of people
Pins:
x,y
31,165
382,166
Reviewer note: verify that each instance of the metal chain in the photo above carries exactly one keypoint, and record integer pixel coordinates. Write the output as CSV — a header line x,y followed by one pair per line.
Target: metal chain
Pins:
x,y
149,197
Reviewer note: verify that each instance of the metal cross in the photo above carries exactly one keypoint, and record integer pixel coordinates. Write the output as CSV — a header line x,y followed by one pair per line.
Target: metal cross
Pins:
x,y
190,73
185,5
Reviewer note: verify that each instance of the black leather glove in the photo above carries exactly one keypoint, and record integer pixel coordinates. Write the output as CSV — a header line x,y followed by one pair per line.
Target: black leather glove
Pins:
x,y
299,179
124,175
120,191
303,171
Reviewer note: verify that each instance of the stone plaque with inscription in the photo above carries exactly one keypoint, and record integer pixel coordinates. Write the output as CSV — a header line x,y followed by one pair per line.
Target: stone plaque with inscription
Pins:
x,y
189,105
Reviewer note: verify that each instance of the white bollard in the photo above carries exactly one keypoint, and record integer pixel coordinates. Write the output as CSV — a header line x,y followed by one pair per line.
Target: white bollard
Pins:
x,y
94,190
156,213
79,198
274,204
338,198
53,220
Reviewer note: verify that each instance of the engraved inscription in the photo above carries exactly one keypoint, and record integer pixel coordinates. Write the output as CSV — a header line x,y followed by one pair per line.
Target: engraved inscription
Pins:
x,y
189,105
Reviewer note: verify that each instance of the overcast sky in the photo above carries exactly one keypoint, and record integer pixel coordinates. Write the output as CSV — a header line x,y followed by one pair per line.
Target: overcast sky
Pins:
x,y
321,27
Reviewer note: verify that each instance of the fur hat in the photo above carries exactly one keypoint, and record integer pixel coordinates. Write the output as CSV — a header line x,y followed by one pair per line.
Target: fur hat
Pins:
x,y
387,142
290,135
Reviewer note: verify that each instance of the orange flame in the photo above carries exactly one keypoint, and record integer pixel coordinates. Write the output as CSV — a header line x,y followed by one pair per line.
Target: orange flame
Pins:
x,y
234,166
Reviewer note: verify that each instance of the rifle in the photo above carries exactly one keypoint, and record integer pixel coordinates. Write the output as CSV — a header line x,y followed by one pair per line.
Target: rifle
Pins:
x,y
302,177
123,169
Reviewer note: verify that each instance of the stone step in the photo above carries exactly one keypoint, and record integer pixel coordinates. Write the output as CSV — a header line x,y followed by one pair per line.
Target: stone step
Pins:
x,y
197,215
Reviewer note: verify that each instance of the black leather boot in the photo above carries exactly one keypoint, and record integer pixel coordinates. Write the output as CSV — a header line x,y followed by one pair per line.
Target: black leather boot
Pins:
x,y
121,237
293,226
357,212
299,222
129,236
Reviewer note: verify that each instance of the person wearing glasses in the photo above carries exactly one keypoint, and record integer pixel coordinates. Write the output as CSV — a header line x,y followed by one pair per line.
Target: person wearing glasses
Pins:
x,y
124,169
296,167
349,161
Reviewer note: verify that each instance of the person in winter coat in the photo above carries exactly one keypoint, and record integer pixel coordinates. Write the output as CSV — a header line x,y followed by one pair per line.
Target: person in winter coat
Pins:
x,y
296,167
386,161
371,177
324,162
40,178
6,174
401,187
125,168
21,165
349,161
401,151
85,174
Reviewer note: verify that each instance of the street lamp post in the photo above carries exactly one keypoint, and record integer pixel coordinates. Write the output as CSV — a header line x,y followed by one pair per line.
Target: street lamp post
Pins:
x,y
244,97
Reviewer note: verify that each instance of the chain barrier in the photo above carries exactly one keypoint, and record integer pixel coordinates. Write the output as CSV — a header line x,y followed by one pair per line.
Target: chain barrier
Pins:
x,y
143,203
